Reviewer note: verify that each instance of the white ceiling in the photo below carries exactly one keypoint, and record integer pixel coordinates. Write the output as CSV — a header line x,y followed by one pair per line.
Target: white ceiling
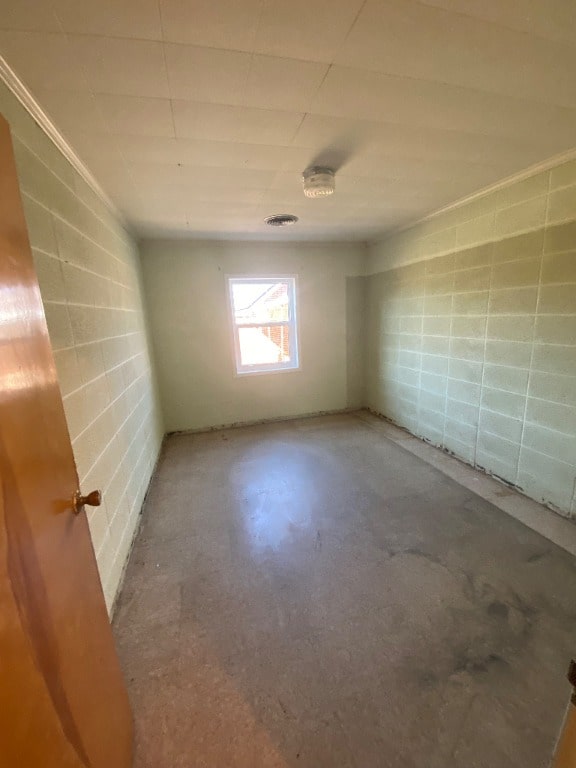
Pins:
x,y
198,116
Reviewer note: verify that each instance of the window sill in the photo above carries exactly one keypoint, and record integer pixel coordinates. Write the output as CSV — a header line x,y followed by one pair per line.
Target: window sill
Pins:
x,y
267,372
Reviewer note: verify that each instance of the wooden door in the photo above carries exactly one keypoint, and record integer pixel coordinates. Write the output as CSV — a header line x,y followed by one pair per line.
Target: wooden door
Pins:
x,y
63,702
565,755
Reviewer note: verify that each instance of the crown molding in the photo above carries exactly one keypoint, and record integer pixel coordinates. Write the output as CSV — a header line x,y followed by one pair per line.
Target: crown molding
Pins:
x,y
544,165
25,97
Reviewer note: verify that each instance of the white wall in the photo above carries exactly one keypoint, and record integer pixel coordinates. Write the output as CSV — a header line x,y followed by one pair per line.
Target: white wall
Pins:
x,y
187,300
89,275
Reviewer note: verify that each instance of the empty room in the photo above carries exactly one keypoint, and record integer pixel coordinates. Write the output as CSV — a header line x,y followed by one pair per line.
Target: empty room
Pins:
x,y
287,384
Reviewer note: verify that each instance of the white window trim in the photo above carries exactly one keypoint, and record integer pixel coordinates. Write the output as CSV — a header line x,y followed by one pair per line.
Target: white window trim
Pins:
x,y
291,323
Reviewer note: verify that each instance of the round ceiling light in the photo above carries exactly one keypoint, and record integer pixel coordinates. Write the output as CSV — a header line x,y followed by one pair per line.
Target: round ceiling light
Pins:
x,y
318,181
281,220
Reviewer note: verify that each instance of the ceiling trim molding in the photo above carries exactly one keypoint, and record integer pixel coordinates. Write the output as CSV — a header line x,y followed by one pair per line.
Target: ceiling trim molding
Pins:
x,y
25,97
544,165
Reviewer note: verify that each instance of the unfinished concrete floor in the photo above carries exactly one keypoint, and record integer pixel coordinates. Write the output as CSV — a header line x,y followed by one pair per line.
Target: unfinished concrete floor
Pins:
x,y
311,595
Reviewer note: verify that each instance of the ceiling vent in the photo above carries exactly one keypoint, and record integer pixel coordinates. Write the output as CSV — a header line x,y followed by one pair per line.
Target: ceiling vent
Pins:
x,y
281,220
318,181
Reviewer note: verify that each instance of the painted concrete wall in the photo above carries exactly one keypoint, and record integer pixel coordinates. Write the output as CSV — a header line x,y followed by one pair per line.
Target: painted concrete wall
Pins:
x,y
89,274
471,338
187,300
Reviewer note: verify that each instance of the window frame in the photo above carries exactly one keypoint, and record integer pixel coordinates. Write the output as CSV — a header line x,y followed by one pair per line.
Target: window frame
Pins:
x,y
292,323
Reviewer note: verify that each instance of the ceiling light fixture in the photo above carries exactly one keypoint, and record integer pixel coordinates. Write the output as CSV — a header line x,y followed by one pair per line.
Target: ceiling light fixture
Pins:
x,y
281,220
318,181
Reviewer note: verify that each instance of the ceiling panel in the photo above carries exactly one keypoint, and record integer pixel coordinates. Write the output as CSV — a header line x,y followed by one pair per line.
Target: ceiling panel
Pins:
x,y
230,179
121,66
407,38
351,92
42,60
167,193
286,84
223,24
356,138
386,166
301,29
100,153
73,110
231,123
213,154
128,18
552,19
154,149
198,118
136,115
28,15
207,74
234,210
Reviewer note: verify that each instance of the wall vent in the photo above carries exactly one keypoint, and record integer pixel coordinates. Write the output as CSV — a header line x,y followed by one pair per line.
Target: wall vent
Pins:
x,y
281,220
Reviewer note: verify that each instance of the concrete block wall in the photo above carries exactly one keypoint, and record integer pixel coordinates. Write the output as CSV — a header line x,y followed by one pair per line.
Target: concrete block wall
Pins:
x,y
471,333
89,274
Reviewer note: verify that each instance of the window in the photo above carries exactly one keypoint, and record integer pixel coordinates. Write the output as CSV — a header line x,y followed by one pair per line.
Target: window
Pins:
x,y
263,311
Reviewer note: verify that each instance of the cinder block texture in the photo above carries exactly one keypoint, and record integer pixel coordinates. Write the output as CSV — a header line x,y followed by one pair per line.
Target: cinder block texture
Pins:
x,y
89,274
471,338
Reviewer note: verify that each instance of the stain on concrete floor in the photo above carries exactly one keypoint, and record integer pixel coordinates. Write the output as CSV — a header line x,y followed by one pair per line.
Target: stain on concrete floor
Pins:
x,y
309,595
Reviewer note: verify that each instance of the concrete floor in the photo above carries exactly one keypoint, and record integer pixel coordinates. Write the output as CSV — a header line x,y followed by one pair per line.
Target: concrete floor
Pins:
x,y
312,595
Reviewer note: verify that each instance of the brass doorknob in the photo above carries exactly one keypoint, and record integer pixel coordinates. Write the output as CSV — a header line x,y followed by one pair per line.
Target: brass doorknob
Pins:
x,y
94,499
